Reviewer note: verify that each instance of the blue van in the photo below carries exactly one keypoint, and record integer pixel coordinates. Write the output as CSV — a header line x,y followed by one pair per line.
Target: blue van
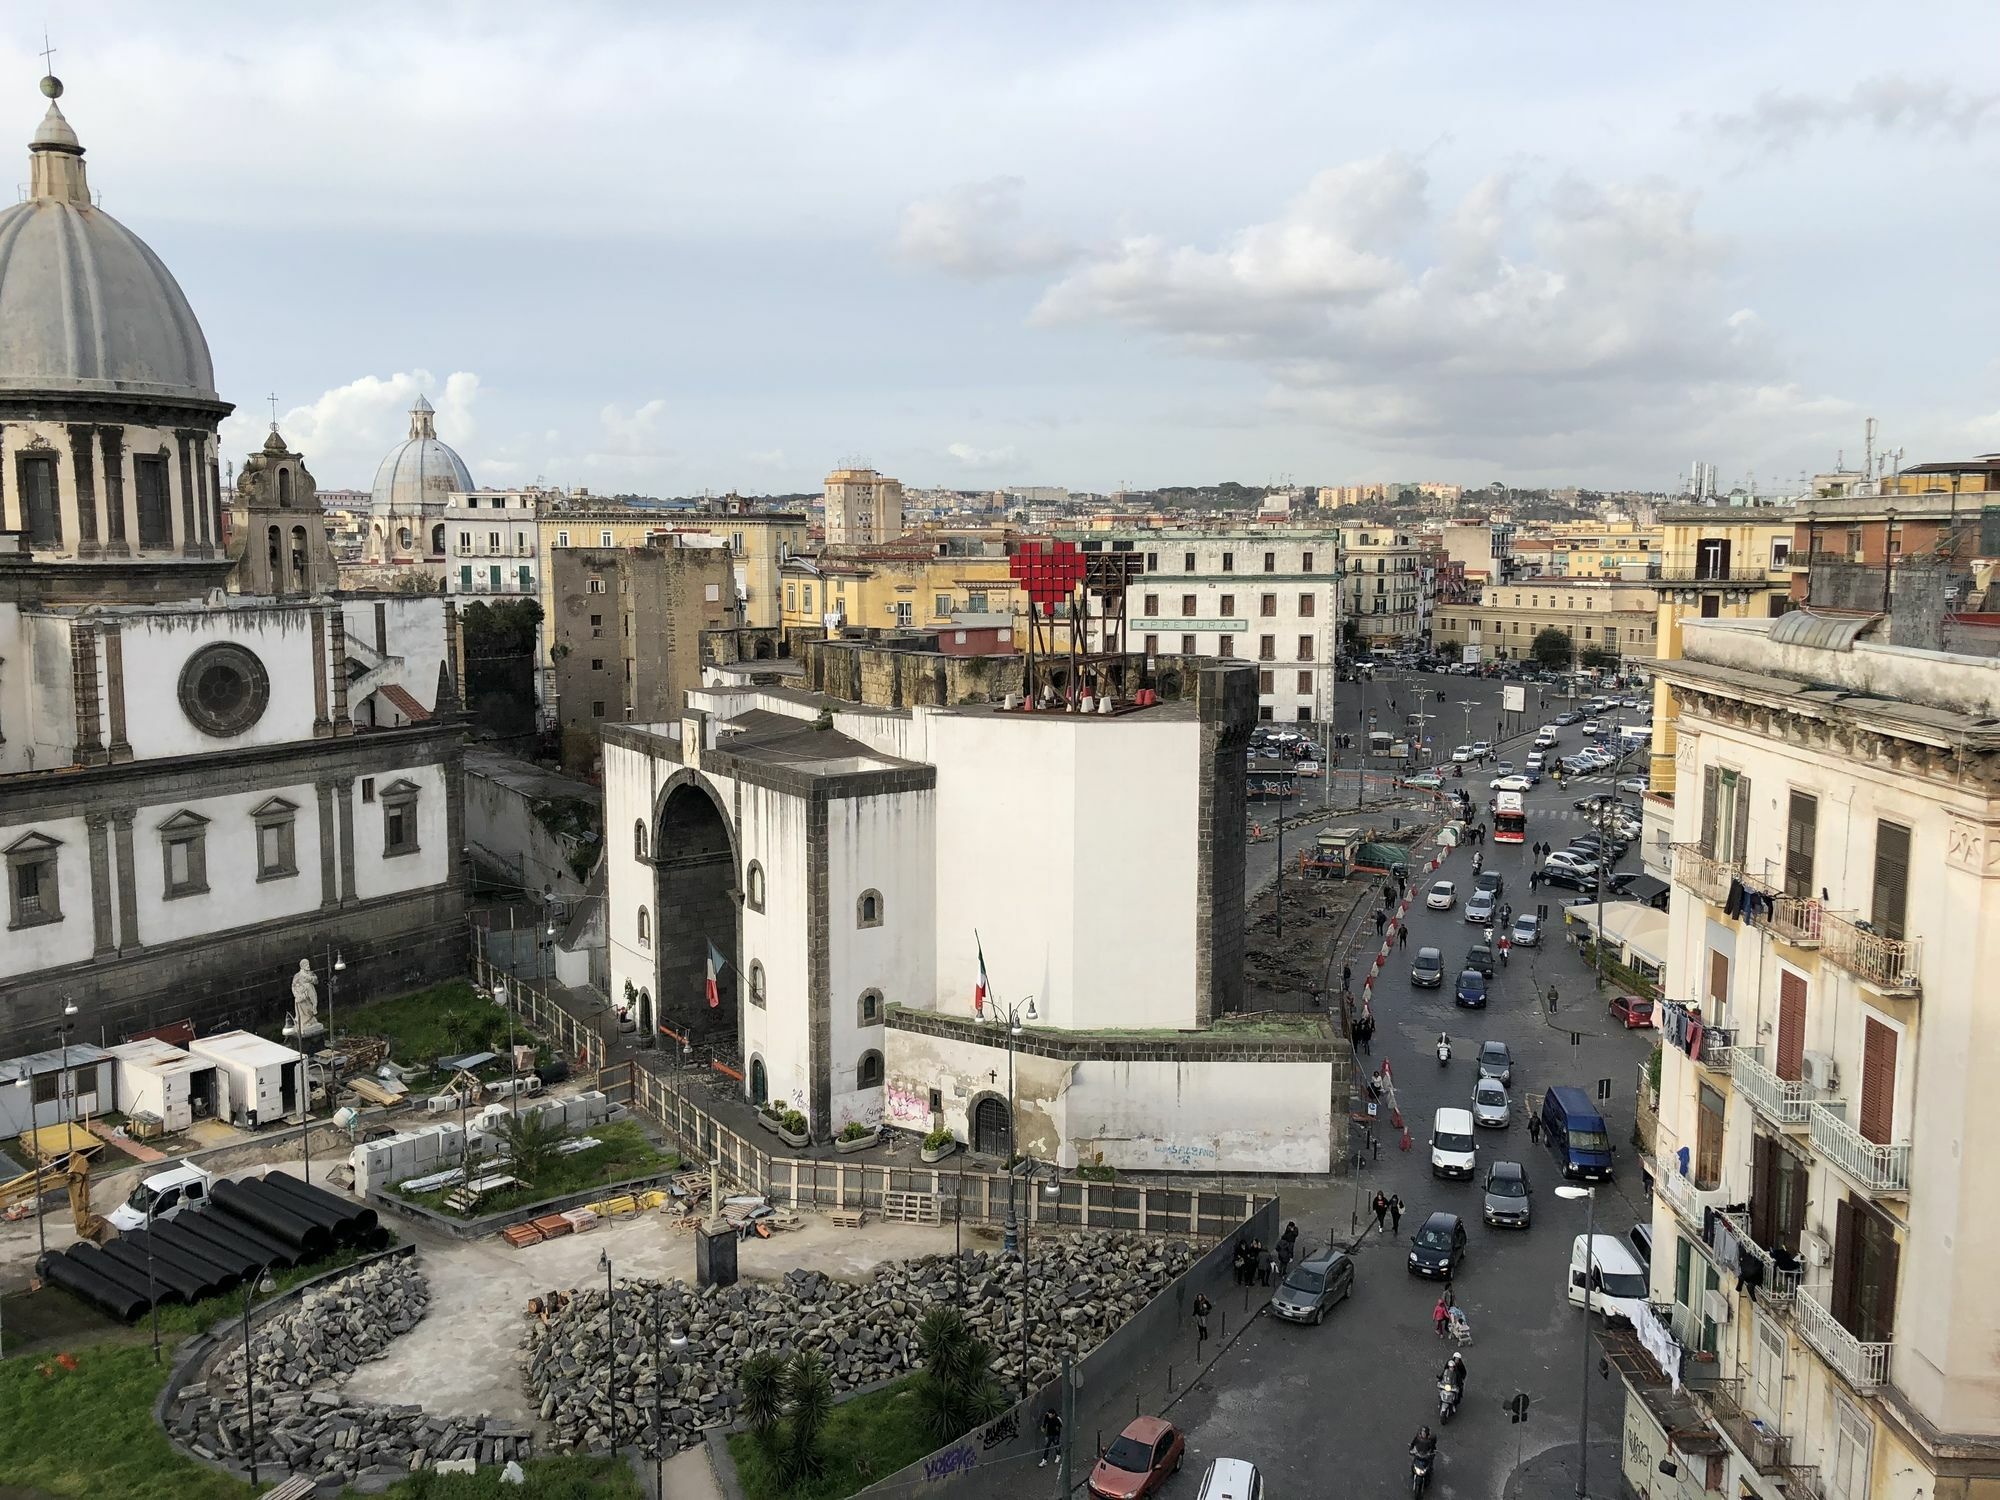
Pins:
x,y
1576,1135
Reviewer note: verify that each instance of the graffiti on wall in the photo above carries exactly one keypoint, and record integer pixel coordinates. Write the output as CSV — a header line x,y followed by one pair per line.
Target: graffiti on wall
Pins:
x,y
906,1106
951,1461
1181,1154
1005,1430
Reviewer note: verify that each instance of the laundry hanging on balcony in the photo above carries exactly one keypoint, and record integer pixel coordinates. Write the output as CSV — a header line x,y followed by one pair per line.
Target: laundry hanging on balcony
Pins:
x,y
1683,1027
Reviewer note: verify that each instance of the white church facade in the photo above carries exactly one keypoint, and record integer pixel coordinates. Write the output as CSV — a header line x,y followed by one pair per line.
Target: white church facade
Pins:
x,y
198,787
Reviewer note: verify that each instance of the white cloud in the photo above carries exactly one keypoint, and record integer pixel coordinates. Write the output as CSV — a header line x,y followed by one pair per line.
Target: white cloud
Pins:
x,y
1888,103
967,456
344,433
978,230
1514,324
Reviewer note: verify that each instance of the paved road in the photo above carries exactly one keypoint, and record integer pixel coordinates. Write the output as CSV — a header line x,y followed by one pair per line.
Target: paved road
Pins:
x,y
1336,1405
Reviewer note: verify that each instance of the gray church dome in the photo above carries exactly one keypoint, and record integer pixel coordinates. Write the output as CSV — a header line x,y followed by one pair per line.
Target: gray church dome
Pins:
x,y
85,306
418,470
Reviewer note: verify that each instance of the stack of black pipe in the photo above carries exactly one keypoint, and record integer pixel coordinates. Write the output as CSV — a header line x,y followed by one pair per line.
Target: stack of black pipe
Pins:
x,y
250,1223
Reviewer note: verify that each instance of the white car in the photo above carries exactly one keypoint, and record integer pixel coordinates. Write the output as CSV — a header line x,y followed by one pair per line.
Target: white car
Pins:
x,y
1636,785
1482,748
1462,753
1442,896
1491,1107
1545,740
1512,783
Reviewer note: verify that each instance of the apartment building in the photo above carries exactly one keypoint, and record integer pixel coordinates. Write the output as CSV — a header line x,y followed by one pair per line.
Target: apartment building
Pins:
x,y
492,542
901,589
1270,596
862,508
625,634
1383,584
1820,1281
1612,620
1844,551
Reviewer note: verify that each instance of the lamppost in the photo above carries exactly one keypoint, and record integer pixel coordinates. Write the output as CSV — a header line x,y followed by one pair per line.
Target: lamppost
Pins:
x,y
1606,822
1012,1016
250,1288
1589,1195
513,1086
610,1352
1054,1190
335,964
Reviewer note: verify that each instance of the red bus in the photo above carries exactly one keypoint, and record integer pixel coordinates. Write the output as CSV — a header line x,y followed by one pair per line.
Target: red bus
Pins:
x,y
1510,823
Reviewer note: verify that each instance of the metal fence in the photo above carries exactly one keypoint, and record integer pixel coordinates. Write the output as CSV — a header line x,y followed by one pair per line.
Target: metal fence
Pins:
x,y
539,1011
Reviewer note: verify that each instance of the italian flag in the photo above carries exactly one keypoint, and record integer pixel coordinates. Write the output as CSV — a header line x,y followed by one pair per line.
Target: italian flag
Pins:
x,y
979,990
716,964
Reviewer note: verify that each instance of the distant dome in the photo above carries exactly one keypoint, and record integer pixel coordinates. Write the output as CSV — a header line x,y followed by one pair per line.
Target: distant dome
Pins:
x,y
85,306
418,470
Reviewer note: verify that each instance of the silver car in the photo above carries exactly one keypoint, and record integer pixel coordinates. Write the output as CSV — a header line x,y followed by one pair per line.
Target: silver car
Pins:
x,y
1527,931
1496,1061
1491,1107
1315,1283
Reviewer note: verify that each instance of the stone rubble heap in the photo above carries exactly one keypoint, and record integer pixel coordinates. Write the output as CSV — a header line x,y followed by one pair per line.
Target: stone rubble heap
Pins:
x,y
1080,1288
304,1424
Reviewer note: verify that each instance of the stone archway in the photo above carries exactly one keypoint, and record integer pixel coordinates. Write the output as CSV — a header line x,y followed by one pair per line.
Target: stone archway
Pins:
x,y
760,1086
990,1124
649,1023
698,904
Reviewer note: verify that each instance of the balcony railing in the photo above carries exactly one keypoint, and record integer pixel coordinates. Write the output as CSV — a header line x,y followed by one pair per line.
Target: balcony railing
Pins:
x,y
1797,920
1718,1046
1768,1450
1784,1101
1683,1195
1802,1482
1780,1284
1704,874
1737,573
1862,1364
1875,1168
1885,963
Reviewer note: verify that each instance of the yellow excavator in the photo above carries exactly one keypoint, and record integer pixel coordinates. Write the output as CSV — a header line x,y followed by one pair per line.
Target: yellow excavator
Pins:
x,y
89,1226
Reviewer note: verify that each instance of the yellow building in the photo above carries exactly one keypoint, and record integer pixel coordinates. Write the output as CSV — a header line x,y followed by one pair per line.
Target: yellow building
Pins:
x,y
1713,564
1583,549
1599,616
899,590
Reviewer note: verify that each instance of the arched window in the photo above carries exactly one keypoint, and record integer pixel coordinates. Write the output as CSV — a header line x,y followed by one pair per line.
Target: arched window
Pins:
x,y
645,928
639,839
277,556
753,886
756,983
403,538
868,1010
869,1074
284,487
299,556
437,541
868,910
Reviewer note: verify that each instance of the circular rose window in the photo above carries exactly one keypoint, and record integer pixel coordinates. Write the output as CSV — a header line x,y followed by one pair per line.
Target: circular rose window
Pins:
x,y
224,689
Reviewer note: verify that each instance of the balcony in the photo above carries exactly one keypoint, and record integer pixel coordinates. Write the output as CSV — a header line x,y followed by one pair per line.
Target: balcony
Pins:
x,y
1687,1199
1863,1365
1720,576
1802,1482
1882,963
1781,1283
1768,1450
1783,1101
1702,873
1718,1046
1883,1171
1797,920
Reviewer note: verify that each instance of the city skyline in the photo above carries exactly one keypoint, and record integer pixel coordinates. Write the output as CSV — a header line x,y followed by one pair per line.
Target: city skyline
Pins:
x,y
665,255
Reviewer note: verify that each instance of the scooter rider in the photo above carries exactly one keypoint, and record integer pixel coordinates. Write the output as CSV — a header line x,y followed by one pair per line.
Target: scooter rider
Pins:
x,y
1425,1444
1453,1373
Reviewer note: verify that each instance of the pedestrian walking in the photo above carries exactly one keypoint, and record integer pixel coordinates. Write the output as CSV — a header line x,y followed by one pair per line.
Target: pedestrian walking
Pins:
x,y
1552,999
1051,1435
1347,976
1285,1249
1388,894
1534,1127
1270,1267
1402,934
1441,1315
1202,1308
1381,920
1396,1215
1380,1206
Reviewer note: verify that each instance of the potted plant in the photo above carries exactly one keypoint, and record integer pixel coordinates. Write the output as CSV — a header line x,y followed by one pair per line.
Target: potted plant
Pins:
x,y
854,1136
771,1115
793,1129
939,1144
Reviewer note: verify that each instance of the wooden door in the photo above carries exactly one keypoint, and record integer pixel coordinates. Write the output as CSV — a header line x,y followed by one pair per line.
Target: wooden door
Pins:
x,y
1790,1063
1878,1081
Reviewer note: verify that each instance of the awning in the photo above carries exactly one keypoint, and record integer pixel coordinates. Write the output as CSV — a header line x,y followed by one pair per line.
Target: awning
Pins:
x,y
1639,930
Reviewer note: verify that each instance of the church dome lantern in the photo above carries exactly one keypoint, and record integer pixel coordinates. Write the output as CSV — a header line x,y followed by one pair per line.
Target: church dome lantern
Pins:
x,y
420,473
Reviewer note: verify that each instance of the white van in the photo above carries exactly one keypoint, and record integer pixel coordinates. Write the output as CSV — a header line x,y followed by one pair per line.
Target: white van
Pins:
x,y
1537,762
1620,1290
163,1196
1231,1479
1452,1147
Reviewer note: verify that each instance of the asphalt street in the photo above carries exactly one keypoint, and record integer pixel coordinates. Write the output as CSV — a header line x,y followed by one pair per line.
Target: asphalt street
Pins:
x,y
1336,1405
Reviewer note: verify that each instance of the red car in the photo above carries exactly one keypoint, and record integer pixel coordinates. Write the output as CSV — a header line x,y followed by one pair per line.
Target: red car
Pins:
x,y
1147,1451
1634,1010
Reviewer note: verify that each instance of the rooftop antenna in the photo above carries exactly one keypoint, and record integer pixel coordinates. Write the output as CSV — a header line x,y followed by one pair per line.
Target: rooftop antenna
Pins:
x,y
1868,450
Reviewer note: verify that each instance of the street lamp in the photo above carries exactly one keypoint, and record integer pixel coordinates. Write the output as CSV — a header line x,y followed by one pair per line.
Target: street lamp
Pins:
x,y
1053,1188
1013,1015
1589,1196
251,1287
335,964
610,1352
513,1085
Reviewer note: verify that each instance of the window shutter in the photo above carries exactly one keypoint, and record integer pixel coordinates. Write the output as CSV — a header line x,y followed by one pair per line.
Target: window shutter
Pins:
x,y
1892,878
1878,1314
1711,807
1845,1247
1801,837
1718,983
1791,1027
1739,840
1763,1189
1878,1081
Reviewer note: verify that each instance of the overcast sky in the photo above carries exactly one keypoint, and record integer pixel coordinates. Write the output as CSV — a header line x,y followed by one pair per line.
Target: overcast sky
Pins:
x,y
681,248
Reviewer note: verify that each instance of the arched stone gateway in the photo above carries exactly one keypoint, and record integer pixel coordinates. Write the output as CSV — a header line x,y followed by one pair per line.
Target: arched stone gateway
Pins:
x,y
992,1127
760,1086
699,904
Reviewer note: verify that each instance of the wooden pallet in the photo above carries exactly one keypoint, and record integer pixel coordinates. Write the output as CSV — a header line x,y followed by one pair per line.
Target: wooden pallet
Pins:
x,y
910,1208
298,1487
846,1218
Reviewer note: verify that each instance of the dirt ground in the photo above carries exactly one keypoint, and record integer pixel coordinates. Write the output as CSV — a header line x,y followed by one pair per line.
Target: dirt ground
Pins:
x,y
464,1358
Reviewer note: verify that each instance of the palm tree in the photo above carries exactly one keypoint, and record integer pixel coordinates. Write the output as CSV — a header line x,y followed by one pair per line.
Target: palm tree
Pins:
x,y
531,1138
955,1390
760,1380
809,1400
